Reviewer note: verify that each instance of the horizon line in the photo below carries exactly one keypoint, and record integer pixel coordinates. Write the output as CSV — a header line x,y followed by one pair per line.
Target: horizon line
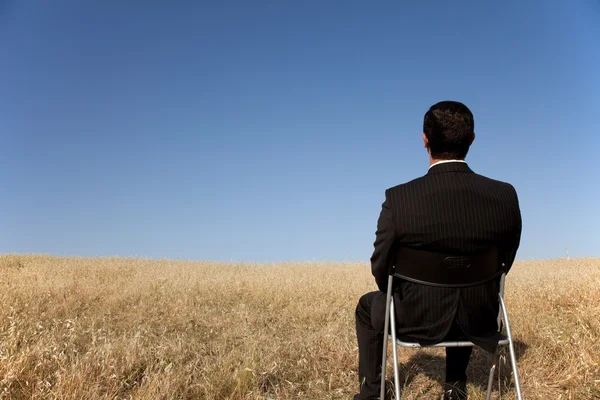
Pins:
x,y
237,261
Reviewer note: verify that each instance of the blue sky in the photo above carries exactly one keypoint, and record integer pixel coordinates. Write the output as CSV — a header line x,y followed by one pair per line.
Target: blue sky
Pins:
x,y
269,130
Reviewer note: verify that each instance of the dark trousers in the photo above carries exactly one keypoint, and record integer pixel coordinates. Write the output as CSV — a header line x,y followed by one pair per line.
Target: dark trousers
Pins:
x,y
370,314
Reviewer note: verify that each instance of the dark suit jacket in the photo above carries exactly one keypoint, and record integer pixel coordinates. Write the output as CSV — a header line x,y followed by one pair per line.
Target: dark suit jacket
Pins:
x,y
451,210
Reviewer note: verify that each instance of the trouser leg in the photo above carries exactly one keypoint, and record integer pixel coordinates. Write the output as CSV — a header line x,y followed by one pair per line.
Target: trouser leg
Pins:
x,y
370,345
457,360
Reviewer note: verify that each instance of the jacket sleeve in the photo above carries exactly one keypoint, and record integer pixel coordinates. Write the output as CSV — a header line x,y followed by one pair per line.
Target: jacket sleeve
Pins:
x,y
515,239
383,255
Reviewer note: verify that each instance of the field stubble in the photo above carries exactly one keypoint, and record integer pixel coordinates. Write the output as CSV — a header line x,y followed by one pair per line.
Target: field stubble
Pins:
x,y
111,328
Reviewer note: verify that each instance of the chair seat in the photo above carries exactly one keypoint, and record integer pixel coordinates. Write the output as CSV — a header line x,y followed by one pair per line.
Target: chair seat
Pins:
x,y
460,343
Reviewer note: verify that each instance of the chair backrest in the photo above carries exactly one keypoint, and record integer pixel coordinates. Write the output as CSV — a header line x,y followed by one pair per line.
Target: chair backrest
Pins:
x,y
448,270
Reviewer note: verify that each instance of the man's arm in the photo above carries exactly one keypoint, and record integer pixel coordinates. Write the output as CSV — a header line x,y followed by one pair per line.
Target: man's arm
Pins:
x,y
515,239
384,243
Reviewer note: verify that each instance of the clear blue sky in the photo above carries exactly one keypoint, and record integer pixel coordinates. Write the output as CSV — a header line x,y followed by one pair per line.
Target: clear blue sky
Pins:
x,y
269,130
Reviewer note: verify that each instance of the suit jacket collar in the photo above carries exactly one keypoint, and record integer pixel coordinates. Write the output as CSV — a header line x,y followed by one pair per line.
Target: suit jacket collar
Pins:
x,y
449,167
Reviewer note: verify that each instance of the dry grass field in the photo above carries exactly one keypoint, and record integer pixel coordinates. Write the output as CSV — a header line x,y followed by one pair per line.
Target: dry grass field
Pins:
x,y
110,328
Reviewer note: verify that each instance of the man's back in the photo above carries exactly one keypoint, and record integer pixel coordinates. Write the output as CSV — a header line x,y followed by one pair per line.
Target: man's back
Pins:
x,y
449,210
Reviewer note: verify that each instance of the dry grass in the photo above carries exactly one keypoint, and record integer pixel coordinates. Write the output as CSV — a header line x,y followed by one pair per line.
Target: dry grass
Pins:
x,y
113,328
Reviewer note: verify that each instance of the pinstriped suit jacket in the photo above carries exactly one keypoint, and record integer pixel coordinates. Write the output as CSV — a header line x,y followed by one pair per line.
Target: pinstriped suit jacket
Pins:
x,y
452,210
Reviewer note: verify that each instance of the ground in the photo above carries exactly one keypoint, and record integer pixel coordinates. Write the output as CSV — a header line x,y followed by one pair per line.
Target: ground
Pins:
x,y
112,328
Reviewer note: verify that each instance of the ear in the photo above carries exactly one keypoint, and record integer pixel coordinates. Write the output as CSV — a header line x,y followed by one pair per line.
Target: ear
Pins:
x,y
472,139
425,141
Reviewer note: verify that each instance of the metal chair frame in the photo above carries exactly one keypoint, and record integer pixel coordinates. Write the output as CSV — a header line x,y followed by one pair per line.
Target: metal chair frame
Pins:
x,y
391,319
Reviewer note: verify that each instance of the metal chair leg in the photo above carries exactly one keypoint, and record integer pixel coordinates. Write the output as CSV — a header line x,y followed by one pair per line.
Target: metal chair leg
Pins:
x,y
513,358
491,377
385,335
394,350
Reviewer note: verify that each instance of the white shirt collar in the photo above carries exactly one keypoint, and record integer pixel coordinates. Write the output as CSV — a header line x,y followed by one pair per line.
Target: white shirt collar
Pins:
x,y
446,161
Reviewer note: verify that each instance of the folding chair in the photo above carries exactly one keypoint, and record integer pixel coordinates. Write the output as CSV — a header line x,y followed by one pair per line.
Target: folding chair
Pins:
x,y
449,271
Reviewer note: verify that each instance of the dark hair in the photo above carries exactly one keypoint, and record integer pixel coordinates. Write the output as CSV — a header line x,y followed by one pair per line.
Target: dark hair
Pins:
x,y
449,128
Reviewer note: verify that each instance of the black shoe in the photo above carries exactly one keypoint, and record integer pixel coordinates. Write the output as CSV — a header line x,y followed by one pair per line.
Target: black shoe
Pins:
x,y
455,390
357,397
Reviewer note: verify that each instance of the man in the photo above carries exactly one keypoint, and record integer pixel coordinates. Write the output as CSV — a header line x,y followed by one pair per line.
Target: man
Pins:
x,y
451,210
